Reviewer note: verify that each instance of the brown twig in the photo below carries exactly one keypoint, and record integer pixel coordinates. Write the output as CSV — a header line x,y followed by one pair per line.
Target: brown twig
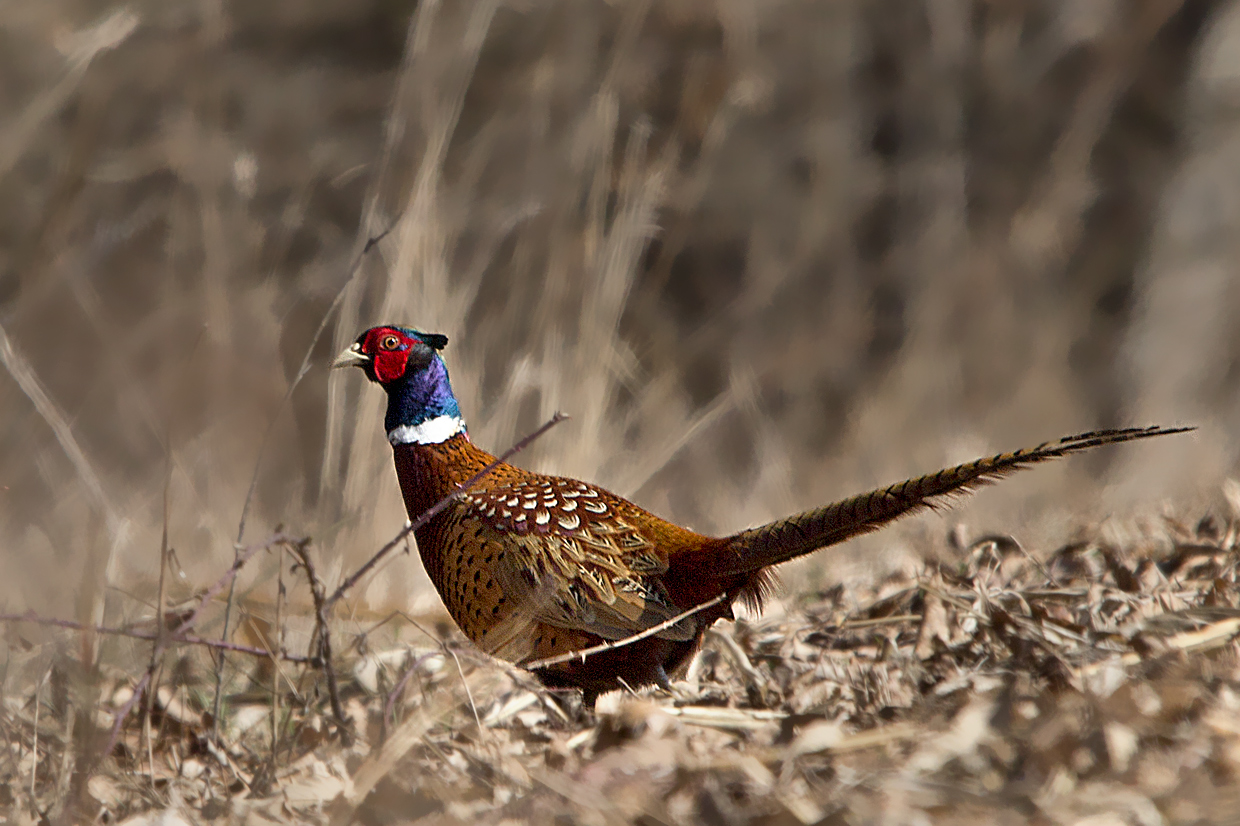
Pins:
x,y
138,692
322,642
439,506
184,639
161,628
609,645
469,695
34,748
390,704
275,664
238,648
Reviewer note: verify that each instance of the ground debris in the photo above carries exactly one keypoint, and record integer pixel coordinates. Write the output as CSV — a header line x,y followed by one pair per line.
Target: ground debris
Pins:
x,y
1098,685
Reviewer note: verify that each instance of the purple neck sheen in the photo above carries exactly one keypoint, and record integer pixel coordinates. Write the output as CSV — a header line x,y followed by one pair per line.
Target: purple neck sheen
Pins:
x,y
421,396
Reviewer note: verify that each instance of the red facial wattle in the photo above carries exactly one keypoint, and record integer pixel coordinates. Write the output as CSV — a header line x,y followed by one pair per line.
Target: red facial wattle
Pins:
x,y
389,352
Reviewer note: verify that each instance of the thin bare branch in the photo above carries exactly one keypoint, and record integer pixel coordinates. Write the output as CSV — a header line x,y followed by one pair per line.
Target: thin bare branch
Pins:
x,y
322,643
611,645
161,628
389,705
274,645
171,637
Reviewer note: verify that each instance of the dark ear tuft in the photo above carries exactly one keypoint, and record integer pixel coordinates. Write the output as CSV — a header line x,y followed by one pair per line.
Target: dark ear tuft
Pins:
x,y
435,341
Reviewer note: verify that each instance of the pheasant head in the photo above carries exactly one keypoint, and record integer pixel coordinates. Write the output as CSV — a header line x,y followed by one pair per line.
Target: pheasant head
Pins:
x,y
421,406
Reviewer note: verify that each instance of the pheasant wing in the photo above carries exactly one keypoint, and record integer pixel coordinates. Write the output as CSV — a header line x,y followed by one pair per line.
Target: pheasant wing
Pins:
x,y
574,557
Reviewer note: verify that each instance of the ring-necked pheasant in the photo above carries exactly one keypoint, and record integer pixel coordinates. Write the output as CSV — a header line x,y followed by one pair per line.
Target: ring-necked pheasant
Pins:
x,y
533,566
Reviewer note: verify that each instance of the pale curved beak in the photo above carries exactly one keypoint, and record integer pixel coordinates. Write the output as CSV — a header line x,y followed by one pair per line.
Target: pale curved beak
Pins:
x,y
353,357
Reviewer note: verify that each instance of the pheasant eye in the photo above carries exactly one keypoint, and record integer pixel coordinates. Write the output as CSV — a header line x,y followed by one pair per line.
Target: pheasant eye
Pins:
x,y
389,342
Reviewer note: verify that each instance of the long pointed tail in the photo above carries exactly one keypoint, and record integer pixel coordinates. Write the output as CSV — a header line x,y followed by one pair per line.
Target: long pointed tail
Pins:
x,y
805,532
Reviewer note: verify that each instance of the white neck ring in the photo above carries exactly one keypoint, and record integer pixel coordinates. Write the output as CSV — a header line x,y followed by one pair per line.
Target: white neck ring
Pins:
x,y
430,432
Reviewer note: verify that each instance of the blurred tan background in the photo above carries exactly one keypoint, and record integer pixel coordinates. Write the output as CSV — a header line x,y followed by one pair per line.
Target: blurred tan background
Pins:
x,y
767,255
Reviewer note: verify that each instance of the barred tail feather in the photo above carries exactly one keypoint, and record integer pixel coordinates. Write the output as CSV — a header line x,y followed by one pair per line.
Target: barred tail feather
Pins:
x,y
803,533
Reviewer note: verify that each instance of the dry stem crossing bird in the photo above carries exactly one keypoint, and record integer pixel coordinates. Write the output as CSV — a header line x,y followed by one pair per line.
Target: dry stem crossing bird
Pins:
x,y
533,566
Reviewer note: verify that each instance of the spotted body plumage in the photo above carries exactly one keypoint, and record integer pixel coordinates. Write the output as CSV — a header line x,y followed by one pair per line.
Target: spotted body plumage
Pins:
x,y
533,566
530,566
